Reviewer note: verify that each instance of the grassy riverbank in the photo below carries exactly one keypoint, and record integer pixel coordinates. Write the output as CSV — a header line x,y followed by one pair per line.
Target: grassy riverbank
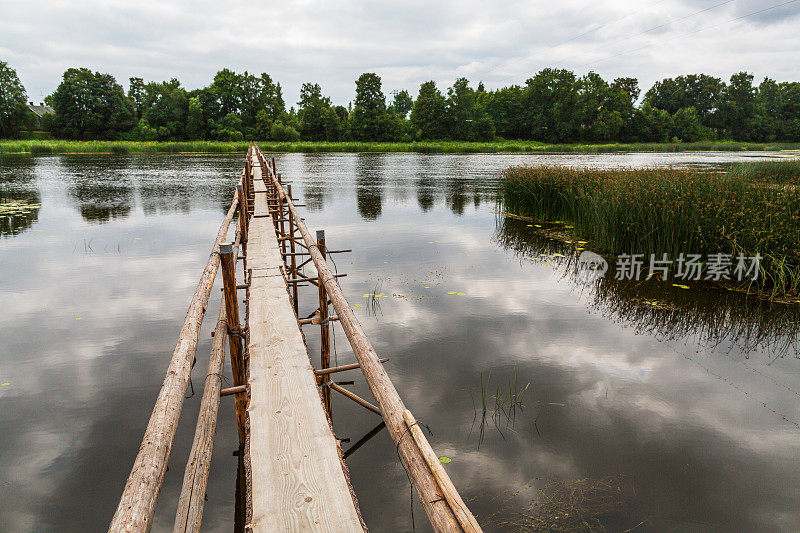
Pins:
x,y
34,146
668,211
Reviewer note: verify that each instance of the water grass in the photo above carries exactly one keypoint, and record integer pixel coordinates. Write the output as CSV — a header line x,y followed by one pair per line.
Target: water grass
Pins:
x,y
46,147
780,171
668,211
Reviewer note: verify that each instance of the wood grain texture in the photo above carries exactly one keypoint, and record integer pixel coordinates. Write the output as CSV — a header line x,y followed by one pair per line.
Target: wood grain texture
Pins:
x,y
138,501
189,514
460,509
297,479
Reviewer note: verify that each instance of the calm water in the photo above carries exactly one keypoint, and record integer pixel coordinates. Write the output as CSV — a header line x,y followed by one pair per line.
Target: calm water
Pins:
x,y
662,409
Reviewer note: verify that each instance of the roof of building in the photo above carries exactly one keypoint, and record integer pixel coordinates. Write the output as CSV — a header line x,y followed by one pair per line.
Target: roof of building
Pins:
x,y
41,109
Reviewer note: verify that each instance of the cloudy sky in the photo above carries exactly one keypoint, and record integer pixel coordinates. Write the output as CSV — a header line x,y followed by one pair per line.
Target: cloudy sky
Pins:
x,y
331,42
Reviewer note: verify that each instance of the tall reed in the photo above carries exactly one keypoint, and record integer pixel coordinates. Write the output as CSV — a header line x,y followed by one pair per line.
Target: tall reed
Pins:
x,y
658,211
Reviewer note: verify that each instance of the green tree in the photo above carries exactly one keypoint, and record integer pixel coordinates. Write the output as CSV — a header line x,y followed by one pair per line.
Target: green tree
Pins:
x,y
137,93
319,121
504,106
550,106
461,111
195,123
686,125
402,103
368,121
168,110
739,106
90,106
14,113
428,114
700,91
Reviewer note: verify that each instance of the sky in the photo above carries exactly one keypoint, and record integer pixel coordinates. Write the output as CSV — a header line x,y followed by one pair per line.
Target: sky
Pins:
x,y
332,42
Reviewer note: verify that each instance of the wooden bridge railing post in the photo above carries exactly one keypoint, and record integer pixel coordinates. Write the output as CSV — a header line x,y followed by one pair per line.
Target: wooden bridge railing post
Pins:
x,y
228,262
293,260
325,350
243,218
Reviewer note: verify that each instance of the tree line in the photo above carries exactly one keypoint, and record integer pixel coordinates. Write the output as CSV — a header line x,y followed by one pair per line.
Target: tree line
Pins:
x,y
553,106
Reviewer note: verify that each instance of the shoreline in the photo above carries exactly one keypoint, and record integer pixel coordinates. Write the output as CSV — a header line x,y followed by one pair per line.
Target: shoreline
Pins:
x,y
48,147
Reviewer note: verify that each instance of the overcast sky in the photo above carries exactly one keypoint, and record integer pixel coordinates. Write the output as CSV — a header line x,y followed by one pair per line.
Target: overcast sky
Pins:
x,y
332,42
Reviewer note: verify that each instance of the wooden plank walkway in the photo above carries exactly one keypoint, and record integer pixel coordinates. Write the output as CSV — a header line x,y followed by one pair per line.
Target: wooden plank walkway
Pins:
x,y
298,483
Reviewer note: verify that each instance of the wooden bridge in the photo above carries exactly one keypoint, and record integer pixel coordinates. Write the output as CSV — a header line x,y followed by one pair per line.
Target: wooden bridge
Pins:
x,y
295,476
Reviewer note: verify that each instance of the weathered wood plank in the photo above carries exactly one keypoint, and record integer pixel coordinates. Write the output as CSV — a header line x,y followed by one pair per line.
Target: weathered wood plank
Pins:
x,y
297,479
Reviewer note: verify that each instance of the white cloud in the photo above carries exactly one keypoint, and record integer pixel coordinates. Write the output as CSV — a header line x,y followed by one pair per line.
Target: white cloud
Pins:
x,y
407,43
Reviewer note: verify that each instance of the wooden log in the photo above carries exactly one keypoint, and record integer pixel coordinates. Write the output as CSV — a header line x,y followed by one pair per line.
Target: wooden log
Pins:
x,y
242,215
189,515
325,331
233,390
342,368
355,397
463,514
316,320
234,333
138,501
438,510
293,258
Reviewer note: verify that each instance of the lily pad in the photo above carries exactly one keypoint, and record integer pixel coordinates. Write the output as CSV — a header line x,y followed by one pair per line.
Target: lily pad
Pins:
x,y
445,460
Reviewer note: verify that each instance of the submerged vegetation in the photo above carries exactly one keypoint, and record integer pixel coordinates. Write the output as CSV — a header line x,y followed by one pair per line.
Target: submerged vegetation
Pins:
x,y
671,211
712,317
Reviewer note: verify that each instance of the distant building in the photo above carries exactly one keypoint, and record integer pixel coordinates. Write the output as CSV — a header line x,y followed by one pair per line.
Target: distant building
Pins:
x,y
41,109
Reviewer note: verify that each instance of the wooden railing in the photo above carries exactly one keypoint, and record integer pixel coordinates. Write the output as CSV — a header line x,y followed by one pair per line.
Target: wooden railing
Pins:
x,y
138,501
443,505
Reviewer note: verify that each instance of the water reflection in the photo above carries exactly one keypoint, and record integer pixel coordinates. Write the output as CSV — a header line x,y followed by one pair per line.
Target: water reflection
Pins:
x,y
701,436
103,189
369,185
717,317
19,197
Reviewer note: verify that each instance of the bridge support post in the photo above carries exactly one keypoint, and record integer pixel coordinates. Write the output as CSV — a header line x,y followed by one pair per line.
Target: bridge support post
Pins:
x,y
293,260
228,263
325,350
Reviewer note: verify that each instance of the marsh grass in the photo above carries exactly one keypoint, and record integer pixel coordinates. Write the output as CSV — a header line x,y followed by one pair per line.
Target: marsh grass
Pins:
x,y
45,147
504,403
667,211
781,171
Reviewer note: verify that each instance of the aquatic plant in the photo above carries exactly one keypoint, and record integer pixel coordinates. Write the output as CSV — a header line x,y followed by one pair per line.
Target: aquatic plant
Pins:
x,y
667,211
782,171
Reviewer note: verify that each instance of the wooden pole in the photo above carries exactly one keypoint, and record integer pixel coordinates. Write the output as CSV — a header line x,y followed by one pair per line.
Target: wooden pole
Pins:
x,y
342,368
189,515
293,260
243,222
234,332
460,509
325,346
438,510
356,398
138,501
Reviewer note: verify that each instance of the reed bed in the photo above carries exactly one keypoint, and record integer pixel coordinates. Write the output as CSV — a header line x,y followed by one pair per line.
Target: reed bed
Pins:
x,y
781,171
668,211
45,147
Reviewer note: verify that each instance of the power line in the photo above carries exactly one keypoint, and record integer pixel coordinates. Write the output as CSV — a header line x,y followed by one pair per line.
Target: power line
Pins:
x,y
587,32
648,30
689,33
